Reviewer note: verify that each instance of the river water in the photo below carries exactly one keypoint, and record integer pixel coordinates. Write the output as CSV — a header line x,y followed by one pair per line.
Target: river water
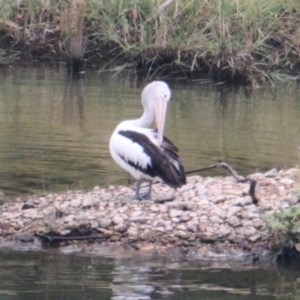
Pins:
x,y
54,133
54,130
52,275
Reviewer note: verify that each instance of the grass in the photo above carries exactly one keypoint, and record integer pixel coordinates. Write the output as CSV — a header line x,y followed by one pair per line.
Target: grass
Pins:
x,y
252,41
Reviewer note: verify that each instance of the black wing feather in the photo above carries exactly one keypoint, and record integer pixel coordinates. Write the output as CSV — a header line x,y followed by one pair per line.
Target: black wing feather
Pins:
x,y
164,160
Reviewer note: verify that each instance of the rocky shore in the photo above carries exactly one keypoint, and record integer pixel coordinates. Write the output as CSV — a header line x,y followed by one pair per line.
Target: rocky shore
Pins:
x,y
207,215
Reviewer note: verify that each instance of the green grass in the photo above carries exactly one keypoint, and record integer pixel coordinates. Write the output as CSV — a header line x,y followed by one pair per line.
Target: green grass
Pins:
x,y
248,40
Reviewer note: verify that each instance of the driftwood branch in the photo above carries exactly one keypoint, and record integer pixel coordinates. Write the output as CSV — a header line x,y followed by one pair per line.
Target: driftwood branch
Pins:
x,y
223,165
237,177
50,239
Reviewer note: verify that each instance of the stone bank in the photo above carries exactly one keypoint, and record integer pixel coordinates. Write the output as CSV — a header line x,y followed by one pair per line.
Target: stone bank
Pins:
x,y
212,214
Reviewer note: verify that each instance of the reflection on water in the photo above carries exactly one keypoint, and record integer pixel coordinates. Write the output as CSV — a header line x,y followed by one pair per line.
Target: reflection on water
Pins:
x,y
54,129
51,275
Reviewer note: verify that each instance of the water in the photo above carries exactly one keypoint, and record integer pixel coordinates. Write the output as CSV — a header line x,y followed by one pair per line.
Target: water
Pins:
x,y
54,130
54,134
52,275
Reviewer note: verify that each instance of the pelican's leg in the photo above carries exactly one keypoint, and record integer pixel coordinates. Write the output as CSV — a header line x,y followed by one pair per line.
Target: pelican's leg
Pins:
x,y
136,196
144,196
147,195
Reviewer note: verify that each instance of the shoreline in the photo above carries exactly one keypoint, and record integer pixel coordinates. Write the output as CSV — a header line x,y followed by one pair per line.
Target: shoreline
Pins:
x,y
209,216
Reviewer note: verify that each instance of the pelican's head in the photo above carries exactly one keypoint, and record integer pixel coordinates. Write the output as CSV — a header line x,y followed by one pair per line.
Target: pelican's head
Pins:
x,y
155,97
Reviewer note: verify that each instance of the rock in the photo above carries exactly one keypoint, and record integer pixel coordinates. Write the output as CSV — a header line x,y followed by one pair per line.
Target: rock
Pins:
x,y
175,220
117,219
94,224
64,205
281,191
160,229
192,226
169,228
114,238
140,220
258,223
4,225
297,247
223,231
88,201
248,232
181,234
243,201
132,231
120,227
201,191
284,205
163,208
136,213
247,223
185,217
271,173
123,209
287,182
104,223
181,227
69,218
219,199
233,211
215,219
145,234
249,215
76,202
233,192
216,211
154,208
291,200
234,221
24,237
254,238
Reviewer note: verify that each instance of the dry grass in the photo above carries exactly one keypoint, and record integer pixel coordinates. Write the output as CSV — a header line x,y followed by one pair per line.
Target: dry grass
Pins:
x,y
247,40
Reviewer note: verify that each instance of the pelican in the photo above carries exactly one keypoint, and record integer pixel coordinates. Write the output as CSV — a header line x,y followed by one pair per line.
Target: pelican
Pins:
x,y
144,152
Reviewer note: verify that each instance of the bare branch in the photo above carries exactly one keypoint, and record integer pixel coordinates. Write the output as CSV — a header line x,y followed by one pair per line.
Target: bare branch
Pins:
x,y
223,165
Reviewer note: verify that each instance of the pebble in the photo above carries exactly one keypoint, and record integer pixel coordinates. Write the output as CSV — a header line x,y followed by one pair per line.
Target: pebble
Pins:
x,y
76,202
105,223
136,213
132,231
117,219
192,226
120,227
233,211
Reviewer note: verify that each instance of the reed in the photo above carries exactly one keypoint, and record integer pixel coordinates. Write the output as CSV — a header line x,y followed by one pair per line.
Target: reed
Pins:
x,y
233,40
71,27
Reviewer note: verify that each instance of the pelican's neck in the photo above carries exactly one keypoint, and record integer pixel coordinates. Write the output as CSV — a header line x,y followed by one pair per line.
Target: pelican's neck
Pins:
x,y
144,121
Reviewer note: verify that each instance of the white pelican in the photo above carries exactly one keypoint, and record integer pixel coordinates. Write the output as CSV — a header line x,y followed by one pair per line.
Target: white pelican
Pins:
x,y
144,152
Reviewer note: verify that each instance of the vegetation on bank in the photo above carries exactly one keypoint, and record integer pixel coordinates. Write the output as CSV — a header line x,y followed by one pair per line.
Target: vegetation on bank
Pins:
x,y
284,227
234,40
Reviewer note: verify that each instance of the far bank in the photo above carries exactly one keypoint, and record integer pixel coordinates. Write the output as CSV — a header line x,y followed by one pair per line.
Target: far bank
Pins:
x,y
235,41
